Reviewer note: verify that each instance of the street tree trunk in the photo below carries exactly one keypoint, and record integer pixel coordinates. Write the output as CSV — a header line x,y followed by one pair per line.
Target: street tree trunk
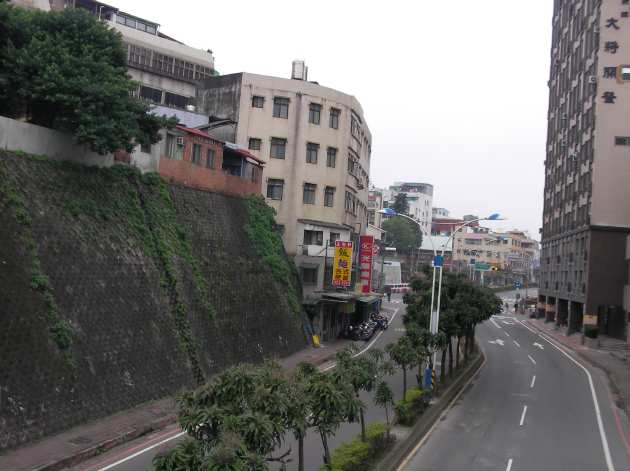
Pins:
x,y
443,366
450,356
362,419
386,420
466,347
404,383
459,339
326,449
301,453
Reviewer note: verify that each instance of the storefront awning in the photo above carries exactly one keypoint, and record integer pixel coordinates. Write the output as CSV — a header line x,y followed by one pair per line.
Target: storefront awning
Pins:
x,y
368,299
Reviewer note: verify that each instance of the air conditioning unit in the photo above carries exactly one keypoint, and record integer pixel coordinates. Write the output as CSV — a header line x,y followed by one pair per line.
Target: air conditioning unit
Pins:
x,y
592,79
180,141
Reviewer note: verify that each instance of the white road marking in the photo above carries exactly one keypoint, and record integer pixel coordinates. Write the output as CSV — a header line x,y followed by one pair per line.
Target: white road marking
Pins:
x,y
497,342
531,359
531,386
517,344
426,436
138,453
506,333
509,465
600,424
508,322
523,416
536,344
495,323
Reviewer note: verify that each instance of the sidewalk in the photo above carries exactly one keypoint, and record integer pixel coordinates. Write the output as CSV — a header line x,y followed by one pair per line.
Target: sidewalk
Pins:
x,y
613,357
88,440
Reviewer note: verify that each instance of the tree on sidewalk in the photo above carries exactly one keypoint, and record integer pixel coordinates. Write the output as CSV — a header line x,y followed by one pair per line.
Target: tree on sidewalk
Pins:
x,y
299,411
403,354
67,70
402,234
384,397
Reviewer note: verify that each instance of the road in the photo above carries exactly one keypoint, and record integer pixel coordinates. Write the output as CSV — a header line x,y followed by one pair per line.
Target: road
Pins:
x,y
533,406
138,455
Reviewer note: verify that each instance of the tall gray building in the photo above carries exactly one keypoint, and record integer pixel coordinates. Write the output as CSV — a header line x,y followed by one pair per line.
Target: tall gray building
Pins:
x,y
587,170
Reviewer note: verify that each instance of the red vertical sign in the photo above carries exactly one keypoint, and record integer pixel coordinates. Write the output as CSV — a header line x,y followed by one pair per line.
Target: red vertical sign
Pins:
x,y
366,253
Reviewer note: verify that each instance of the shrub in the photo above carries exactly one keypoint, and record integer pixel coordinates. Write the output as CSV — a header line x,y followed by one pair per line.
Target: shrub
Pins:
x,y
407,411
591,331
358,455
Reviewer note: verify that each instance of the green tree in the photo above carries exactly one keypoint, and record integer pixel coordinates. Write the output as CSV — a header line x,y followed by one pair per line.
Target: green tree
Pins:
x,y
401,205
299,411
402,234
384,397
332,402
403,354
67,70
237,420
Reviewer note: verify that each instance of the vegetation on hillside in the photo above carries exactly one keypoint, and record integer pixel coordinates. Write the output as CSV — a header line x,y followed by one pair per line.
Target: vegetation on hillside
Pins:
x,y
262,233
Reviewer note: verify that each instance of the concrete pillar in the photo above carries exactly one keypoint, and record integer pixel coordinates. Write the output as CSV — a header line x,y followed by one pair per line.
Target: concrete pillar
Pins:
x,y
570,320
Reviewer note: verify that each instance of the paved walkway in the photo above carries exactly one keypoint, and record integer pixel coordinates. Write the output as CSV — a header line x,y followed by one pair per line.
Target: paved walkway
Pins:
x,y
73,446
613,356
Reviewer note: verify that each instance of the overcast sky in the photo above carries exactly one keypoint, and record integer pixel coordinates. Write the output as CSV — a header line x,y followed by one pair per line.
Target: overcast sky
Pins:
x,y
454,92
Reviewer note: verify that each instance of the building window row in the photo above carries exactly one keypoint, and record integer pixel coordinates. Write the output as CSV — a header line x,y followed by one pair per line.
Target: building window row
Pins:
x,y
281,110
160,97
275,191
145,58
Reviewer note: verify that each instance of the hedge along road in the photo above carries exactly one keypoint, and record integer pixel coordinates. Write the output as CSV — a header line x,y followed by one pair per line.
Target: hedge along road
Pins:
x,y
138,455
534,406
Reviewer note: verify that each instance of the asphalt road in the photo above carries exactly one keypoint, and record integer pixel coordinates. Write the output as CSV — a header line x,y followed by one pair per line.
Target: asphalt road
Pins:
x,y
138,455
531,407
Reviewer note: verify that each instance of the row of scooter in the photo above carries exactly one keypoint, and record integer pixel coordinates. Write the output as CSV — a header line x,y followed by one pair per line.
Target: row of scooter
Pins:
x,y
366,329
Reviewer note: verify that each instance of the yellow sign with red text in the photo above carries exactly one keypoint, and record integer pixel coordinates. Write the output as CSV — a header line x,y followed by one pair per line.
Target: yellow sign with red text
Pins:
x,y
342,265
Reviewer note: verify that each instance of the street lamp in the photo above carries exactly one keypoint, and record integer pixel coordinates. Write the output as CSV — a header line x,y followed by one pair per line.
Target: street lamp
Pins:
x,y
438,262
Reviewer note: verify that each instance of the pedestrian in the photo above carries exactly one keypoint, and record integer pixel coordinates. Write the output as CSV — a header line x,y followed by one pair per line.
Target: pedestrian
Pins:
x,y
388,292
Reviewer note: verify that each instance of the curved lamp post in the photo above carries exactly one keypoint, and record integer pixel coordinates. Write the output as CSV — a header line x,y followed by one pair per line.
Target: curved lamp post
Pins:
x,y
438,262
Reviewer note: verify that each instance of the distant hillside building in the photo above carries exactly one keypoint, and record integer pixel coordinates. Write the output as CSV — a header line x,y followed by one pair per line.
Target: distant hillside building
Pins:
x,y
420,199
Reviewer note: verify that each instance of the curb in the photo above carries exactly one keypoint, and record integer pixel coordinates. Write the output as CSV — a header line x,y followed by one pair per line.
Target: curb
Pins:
x,y
107,445
423,426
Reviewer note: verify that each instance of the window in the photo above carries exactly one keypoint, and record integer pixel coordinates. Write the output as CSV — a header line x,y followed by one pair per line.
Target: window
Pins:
x,y
163,63
278,147
329,196
258,101
139,55
254,143
334,118
309,193
309,276
313,237
275,188
314,113
174,100
311,152
331,157
334,236
210,154
174,146
350,203
196,154
281,107
622,141
150,94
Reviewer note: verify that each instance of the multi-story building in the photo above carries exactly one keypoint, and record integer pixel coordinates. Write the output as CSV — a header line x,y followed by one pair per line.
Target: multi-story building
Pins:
x,y
166,69
419,198
513,254
375,218
316,146
586,216
441,213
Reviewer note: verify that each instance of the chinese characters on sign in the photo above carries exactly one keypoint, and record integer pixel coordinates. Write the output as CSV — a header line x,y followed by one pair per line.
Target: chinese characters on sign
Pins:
x,y
342,266
366,253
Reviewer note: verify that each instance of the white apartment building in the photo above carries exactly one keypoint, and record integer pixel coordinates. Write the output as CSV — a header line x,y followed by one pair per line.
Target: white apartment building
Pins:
x,y
420,199
165,68
316,146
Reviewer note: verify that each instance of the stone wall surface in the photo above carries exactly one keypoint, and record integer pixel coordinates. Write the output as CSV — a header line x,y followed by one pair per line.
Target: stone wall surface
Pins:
x,y
136,308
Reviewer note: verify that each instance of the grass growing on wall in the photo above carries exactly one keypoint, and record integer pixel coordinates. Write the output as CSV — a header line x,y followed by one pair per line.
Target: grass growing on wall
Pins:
x,y
60,330
265,238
